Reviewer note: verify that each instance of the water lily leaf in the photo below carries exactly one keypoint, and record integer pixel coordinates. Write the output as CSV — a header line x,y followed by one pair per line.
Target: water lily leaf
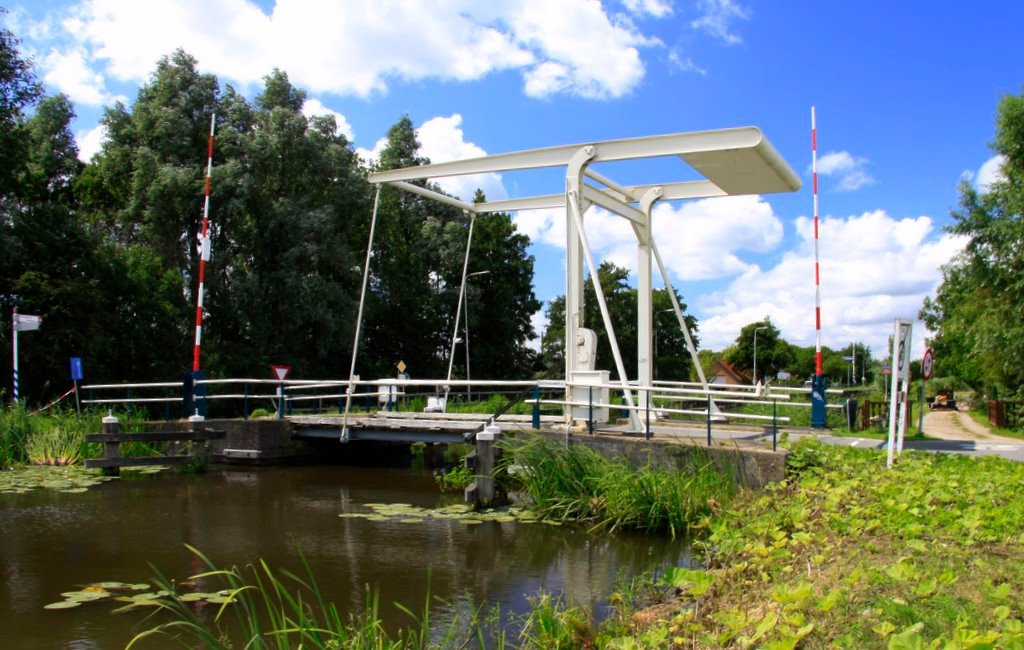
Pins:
x,y
64,604
195,596
471,521
219,600
76,490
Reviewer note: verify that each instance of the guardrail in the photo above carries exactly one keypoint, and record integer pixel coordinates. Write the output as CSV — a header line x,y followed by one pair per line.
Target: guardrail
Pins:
x,y
587,402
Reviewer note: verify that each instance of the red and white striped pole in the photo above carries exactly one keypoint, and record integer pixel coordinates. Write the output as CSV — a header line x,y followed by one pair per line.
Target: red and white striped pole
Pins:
x,y
817,273
204,256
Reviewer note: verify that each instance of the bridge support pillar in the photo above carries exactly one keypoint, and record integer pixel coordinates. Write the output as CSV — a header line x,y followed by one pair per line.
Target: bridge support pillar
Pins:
x,y
481,492
112,426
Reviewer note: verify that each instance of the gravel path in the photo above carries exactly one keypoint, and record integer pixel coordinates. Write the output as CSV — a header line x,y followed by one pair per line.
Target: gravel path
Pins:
x,y
953,425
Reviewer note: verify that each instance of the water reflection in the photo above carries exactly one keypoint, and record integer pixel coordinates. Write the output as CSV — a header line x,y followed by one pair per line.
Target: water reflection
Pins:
x,y
52,542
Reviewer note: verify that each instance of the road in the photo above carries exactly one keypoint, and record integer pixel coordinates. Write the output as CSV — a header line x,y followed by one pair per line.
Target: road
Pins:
x,y
947,431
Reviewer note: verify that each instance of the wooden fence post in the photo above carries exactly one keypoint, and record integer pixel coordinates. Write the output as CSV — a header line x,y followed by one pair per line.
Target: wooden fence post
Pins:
x,y
111,426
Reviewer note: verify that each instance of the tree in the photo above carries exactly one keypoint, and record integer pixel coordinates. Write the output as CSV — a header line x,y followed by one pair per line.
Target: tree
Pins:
x,y
19,89
978,310
671,357
773,353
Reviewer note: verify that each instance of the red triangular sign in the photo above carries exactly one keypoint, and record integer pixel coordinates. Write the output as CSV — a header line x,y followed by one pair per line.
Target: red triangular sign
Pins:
x,y
281,372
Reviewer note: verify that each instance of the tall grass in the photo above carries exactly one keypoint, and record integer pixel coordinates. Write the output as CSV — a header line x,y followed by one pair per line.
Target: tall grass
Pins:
x,y
577,483
57,437
267,609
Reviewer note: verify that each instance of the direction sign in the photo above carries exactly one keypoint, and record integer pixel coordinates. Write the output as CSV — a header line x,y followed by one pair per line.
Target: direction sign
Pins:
x,y
927,364
281,372
26,322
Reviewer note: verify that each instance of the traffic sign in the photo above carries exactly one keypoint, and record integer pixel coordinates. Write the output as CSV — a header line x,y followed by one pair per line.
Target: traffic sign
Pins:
x,y
927,364
886,369
401,366
281,372
76,368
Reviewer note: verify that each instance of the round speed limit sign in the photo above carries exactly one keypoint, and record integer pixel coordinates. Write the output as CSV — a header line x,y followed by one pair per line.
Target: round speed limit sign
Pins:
x,y
927,364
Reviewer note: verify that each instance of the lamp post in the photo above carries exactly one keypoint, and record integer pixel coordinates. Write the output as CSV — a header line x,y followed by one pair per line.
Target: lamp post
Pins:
x,y
763,327
469,390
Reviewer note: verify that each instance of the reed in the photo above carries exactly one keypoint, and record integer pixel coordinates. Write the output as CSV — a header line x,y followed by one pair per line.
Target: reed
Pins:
x,y
577,483
267,609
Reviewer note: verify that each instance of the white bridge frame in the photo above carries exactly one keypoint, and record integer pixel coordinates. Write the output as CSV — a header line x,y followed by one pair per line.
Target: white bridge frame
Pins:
x,y
733,162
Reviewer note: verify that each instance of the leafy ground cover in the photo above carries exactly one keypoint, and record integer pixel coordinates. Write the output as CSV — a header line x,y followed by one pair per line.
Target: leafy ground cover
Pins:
x,y
845,553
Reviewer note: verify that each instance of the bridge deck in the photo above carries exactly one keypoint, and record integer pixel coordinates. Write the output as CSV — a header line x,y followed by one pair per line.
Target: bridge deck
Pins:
x,y
408,427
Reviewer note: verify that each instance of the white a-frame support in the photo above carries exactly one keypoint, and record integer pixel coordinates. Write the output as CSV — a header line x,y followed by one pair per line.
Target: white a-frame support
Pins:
x,y
732,162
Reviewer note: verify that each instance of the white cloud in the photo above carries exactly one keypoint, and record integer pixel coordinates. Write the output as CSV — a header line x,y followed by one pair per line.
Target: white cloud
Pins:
x,y
685,63
848,169
698,240
717,16
989,172
874,268
441,140
90,142
359,47
656,8
70,73
315,107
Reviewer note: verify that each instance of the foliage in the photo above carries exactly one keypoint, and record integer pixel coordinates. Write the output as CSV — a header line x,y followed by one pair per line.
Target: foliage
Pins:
x,y
289,212
845,553
978,312
578,483
671,358
261,608
456,479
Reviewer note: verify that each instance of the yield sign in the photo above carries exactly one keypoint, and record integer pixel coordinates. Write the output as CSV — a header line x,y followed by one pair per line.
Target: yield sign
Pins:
x,y
281,372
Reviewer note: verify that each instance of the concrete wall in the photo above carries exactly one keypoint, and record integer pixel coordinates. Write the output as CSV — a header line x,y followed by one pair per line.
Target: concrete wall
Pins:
x,y
753,467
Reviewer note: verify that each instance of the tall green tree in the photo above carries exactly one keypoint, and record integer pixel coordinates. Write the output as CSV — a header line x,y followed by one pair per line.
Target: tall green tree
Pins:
x,y
978,310
771,352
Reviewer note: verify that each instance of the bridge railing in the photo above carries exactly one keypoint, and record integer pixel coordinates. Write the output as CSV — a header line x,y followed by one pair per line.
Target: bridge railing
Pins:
x,y
587,401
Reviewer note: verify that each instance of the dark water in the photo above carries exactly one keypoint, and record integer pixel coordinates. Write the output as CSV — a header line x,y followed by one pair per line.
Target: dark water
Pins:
x,y
52,542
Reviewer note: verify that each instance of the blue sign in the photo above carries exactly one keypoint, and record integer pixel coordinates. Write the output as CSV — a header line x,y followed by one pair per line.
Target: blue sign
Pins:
x,y
76,368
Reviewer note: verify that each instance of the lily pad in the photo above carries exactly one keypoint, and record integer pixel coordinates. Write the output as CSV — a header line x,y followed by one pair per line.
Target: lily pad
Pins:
x,y
63,604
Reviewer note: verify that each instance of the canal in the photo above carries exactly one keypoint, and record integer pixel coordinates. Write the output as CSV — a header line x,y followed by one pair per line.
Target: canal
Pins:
x,y
53,542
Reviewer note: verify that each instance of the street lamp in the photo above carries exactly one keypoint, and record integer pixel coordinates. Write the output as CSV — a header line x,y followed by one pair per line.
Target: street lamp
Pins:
x,y
469,390
763,327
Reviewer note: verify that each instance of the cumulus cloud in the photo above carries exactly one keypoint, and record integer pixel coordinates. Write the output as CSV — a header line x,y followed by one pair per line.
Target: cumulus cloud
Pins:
x,y
359,47
874,269
315,107
716,18
90,142
989,172
70,73
849,170
698,240
441,140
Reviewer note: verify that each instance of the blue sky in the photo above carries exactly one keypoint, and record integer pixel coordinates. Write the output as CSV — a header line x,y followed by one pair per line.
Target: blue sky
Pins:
x,y
905,95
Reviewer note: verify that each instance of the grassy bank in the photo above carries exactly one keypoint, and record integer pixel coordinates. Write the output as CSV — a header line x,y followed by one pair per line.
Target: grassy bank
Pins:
x,y
56,437
849,554
577,483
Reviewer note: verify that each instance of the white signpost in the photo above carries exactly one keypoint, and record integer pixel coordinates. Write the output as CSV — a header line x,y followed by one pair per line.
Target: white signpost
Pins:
x,y
21,323
900,384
